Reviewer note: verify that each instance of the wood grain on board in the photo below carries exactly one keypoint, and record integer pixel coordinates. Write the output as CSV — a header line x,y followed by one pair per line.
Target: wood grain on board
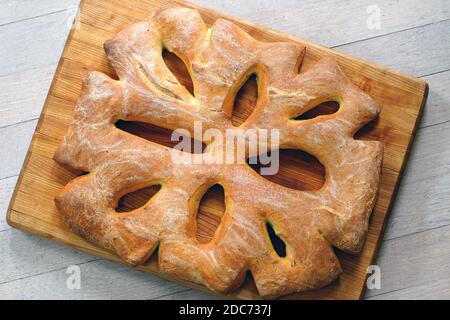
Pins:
x,y
32,208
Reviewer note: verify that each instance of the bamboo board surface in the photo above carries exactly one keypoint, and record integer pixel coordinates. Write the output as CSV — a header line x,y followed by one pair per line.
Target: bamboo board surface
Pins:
x,y
32,208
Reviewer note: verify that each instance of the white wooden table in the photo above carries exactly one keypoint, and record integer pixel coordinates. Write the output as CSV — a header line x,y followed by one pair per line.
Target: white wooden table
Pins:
x,y
413,37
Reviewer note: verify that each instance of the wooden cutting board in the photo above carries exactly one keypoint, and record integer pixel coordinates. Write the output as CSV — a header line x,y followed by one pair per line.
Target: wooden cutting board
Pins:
x,y
32,207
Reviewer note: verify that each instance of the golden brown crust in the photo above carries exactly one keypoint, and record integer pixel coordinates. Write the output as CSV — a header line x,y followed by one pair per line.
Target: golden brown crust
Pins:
x,y
219,59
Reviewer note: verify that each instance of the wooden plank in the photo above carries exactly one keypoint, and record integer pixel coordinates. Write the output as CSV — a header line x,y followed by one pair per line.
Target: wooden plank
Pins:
x,y
6,190
188,295
18,263
15,141
436,290
423,200
437,110
34,43
23,93
411,51
14,11
308,20
401,97
99,280
409,263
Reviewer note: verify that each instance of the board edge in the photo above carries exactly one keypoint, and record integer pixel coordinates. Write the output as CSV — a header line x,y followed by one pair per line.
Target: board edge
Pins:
x,y
425,93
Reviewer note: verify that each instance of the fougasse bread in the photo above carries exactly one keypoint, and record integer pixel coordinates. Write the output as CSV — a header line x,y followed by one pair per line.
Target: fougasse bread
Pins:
x,y
219,59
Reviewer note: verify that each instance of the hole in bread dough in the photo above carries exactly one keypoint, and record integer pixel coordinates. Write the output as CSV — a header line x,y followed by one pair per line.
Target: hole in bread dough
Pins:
x,y
153,133
179,70
137,199
325,108
210,211
371,131
245,101
277,243
300,59
74,173
298,170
